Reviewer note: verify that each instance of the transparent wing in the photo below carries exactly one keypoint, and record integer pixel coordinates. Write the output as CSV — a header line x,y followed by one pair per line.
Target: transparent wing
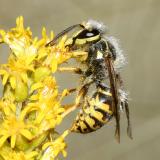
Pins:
x,y
116,101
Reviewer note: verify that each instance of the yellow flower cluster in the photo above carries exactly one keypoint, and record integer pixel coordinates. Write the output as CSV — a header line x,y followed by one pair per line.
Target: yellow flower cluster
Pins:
x,y
30,107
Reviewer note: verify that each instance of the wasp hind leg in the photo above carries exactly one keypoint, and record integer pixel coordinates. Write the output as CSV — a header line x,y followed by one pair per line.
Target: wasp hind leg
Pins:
x,y
129,129
82,92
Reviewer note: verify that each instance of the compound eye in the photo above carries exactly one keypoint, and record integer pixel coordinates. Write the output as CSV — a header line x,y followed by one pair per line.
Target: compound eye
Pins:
x,y
87,34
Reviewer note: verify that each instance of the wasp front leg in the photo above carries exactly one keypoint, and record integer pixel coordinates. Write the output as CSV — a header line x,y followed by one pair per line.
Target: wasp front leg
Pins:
x,y
71,69
69,107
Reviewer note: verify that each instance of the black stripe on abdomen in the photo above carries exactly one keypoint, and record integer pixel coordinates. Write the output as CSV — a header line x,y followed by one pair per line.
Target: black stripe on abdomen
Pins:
x,y
106,115
98,124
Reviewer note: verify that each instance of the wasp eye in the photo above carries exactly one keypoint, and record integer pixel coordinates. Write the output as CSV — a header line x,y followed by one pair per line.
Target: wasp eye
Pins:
x,y
87,34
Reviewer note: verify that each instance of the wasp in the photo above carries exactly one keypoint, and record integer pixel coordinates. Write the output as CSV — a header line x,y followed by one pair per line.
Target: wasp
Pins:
x,y
103,63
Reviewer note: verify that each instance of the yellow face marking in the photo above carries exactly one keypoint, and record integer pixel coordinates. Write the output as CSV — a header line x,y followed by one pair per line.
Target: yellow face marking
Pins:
x,y
85,40
70,40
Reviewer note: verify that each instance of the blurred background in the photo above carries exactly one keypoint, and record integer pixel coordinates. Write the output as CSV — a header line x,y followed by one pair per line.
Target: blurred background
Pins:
x,y
137,25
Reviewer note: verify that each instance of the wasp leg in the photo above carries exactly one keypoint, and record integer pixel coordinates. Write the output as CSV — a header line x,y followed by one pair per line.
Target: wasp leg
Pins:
x,y
103,86
79,53
129,128
82,92
66,92
71,69
69,108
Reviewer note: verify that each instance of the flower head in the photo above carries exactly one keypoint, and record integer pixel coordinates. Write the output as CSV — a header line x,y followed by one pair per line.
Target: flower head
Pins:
x,y
30,108
52,149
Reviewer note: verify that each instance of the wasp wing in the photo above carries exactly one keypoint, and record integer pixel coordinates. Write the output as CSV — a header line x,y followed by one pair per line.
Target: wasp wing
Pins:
x,y
129,128
114,90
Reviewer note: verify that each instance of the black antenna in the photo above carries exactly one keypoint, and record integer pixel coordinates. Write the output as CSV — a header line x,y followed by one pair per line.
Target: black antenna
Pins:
x,y
51,43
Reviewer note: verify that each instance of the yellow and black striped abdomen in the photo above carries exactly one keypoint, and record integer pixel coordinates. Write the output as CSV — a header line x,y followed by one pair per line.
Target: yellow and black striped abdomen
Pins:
x,y
95,112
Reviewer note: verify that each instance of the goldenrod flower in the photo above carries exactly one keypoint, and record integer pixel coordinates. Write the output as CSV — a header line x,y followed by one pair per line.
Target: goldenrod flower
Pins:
x,y
52,149
47,105
8,154
30,108
14,124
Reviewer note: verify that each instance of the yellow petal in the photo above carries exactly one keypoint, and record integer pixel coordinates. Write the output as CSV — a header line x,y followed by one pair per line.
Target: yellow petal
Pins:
x,y
7,111
64,153
31,154
48,154
19,22
24,77
13,107
21,91
2,72
13,141
35,40
26,134
46,145
17,47
34,97
54,65
62,42
29,108
41,73
36,86
5,78
40,43
40,117
2,34
44,35
13,82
